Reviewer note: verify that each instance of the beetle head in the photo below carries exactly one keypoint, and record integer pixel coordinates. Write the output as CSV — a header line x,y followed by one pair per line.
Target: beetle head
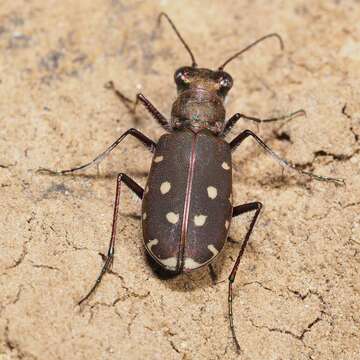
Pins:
x,y
200,101
201,92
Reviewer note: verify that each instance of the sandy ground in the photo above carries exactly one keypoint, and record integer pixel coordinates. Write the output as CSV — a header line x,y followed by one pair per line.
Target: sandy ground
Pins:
x,y
297,294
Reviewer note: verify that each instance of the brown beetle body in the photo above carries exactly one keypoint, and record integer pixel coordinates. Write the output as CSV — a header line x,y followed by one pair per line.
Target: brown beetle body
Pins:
x,y
187,202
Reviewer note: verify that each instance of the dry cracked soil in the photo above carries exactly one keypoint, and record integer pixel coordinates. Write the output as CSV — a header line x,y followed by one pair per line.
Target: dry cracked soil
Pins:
x,y
297,292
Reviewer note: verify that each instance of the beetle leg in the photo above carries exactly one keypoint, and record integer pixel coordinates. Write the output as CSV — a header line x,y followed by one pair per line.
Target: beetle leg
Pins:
x,y
235,118
238,210
136,133
138,190
242,136
123,98
155,113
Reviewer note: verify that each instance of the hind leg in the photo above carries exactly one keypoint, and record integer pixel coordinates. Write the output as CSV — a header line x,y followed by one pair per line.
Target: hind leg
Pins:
x,y
138,190
239,210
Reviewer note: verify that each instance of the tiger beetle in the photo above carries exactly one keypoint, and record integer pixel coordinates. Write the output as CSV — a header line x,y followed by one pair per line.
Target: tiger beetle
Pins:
x,y
187,204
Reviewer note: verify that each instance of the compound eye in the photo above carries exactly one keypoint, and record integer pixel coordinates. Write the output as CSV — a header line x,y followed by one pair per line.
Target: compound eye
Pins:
x,y
225,83
224,80
182,76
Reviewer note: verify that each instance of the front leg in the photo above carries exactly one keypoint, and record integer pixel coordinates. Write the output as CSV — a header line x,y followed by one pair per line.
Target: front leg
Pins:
x,y
235,118
242,136
150,145
154,112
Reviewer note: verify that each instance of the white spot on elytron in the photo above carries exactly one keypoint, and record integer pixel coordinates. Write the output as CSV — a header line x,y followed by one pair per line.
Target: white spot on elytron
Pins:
x,y
158,159
199,220
225,166
144,215
230,198
191,264
172,217
147,189
165,187
227,224
212,248
212,192
152,243
169,263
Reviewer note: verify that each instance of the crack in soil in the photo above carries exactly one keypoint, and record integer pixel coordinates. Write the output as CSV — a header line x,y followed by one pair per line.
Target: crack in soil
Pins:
x,y
300,336
351,204
283,136
335,157
14,301
72,245
346,114
128,294
289,332
174,347
14,346
42,266
24,251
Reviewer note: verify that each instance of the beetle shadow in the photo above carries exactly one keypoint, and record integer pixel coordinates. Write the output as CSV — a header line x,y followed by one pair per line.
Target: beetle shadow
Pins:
x,y
103,176
280,176
184,282
277,181
273,181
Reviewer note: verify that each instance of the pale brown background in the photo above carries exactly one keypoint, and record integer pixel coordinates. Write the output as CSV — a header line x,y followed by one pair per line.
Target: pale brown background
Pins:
x,y
297,291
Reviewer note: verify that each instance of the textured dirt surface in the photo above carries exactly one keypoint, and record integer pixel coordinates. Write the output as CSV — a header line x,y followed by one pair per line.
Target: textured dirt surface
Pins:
x,y
297,294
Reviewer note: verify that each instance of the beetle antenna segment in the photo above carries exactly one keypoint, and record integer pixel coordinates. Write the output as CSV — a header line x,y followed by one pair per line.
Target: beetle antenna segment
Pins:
x,y
194,64
252,45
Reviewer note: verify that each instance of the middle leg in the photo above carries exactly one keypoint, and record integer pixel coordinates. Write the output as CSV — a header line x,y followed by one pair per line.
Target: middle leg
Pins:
x,y
136,133
245,134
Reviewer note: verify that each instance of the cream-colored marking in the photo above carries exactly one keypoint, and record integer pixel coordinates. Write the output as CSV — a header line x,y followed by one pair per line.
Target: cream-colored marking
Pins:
x,y
147,189
227,224
144,216
191,264
158,159
170,263
225,166
172,217
152,243
230,198
165,187
212,192
212,248
199,220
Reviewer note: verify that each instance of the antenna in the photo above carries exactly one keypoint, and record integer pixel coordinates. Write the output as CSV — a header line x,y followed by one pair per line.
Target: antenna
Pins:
x,y
252,45
194,64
